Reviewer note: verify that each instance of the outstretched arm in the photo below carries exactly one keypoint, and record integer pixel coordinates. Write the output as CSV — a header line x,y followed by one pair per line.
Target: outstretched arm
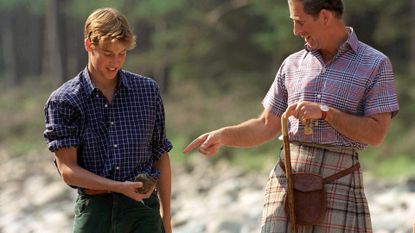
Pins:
x,y
247,134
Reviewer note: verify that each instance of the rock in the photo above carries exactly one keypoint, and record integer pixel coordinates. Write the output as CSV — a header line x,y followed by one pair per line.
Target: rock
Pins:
x,y
193,227
224,226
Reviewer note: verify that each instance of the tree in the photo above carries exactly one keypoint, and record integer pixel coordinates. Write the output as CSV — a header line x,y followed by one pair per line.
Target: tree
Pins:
x,y
52,61
19,38
8,45
157,23
412,40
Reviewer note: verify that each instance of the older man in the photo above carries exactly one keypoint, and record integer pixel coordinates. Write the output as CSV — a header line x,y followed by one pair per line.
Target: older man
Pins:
x,y
339,89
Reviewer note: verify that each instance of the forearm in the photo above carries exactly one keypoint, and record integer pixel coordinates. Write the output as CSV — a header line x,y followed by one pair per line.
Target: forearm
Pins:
x,y
77,176
365,129
80,177
164,185
252,132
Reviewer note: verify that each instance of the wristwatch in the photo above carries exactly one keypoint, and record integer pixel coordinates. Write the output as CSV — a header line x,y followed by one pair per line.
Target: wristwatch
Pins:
x,y
324,109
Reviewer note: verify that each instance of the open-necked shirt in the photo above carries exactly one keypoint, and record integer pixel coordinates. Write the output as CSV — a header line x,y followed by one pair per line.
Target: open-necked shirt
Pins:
x,y
116,140
359,80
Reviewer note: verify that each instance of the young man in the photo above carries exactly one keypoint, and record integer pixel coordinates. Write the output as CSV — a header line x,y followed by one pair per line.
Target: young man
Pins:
x,y
106,126
346,90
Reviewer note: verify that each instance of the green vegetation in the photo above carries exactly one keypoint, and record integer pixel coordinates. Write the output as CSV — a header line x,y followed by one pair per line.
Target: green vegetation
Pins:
x,y
22,118
391,166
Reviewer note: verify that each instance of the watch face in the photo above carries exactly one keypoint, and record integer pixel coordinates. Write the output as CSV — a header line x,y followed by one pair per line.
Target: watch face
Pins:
x,y
324,108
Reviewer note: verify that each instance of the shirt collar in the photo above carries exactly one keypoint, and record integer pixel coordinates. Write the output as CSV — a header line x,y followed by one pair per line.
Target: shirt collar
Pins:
x,y
123,80
352,40
89,86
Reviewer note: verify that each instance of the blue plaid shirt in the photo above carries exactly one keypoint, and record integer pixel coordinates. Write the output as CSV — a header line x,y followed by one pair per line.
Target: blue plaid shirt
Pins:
x,y
116,140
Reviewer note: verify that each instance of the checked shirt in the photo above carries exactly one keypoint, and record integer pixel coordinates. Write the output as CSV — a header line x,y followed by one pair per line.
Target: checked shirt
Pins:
x,y
116,140
359,80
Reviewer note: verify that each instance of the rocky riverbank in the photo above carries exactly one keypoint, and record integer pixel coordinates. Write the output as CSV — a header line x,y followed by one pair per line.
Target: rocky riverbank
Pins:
x,y
207,198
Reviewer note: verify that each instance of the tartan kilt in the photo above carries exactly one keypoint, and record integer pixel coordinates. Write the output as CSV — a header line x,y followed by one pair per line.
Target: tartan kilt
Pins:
x,y
347,207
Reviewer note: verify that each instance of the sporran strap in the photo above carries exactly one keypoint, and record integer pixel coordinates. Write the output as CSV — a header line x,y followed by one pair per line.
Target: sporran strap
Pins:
x,y
335,176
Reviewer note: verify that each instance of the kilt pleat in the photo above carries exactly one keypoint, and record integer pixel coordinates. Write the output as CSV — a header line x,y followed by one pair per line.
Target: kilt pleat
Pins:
x,y
347,207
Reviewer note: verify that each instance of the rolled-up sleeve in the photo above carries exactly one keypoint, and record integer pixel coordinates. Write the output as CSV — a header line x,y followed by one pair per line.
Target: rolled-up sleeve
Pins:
x,y
61,122
160,143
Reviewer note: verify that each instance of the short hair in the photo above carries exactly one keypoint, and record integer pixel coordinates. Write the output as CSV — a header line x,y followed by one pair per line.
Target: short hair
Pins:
x,y
108,24
313,7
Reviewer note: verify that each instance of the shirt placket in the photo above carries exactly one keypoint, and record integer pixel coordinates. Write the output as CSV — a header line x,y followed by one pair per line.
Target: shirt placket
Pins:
x,y
319,94
114,145
104,154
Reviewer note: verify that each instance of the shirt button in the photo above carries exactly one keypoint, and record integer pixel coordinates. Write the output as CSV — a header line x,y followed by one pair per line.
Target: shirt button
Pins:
x,y
117,168
106,105
316,123
97,96
115,145
319,96
112,123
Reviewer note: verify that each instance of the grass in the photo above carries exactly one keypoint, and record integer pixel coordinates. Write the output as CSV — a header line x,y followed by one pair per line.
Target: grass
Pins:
x,y
394,166
401,166
21,119
176,154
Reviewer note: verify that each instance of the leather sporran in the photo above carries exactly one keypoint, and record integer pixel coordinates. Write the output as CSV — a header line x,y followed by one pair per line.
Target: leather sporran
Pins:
x,y
309,198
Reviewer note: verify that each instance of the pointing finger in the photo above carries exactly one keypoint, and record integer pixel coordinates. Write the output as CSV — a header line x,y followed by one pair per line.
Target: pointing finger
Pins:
x,y
196,143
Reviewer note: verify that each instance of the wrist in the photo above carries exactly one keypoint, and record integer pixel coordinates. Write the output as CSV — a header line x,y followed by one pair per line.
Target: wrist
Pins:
x,y
324,109
116,187
220,134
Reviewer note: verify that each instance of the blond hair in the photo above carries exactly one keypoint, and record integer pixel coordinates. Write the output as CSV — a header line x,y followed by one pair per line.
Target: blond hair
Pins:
x,y
108,25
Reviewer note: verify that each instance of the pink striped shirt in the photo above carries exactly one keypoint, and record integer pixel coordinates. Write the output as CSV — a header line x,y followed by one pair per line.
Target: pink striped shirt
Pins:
x,y
358,81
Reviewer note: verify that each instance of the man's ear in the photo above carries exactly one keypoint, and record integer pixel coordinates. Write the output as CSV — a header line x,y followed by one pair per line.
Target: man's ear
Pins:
x,y
326,16
87,45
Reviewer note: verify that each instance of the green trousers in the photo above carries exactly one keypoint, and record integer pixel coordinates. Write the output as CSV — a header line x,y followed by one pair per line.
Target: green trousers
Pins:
x,y
116,213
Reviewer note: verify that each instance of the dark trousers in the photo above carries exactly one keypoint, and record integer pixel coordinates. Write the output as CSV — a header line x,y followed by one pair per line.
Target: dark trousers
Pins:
x,y
116,213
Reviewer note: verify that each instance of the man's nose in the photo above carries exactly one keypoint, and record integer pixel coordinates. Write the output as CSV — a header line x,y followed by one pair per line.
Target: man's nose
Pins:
x,y
296,30
117,60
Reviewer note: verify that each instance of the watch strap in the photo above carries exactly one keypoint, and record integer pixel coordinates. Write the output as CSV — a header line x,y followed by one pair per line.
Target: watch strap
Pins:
x,y
323,115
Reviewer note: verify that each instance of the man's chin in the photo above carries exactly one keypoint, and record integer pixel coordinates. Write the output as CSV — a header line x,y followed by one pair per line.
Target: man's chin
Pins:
x,y
111,75
312,46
